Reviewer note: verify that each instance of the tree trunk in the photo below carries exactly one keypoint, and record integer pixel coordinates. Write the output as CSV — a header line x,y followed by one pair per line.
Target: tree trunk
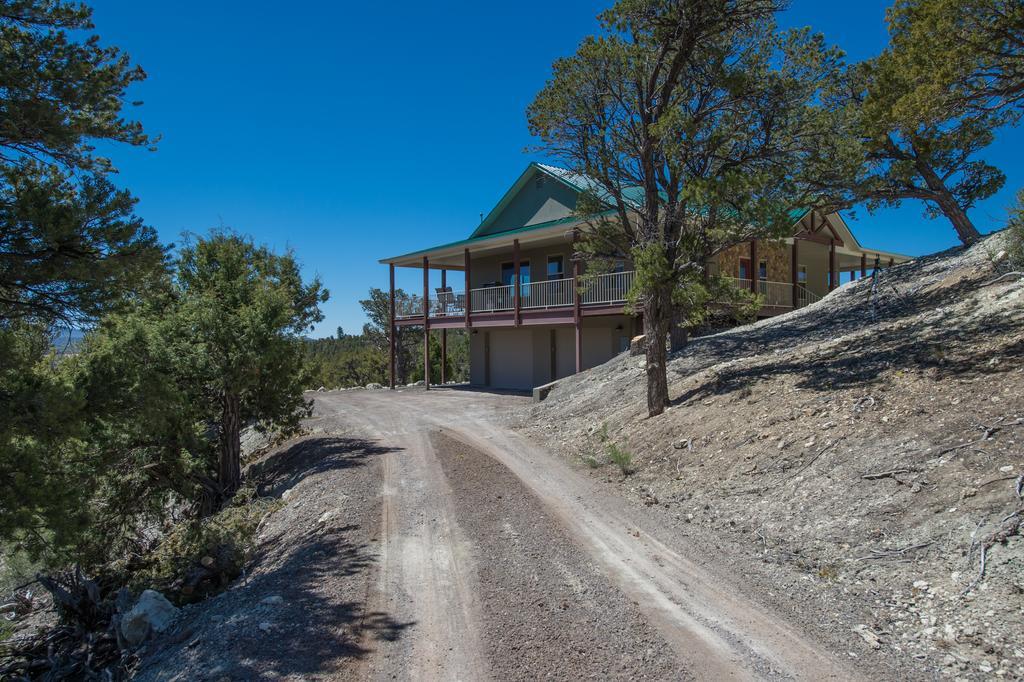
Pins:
x,y
947,204
230,469
657,319
961,223
678,335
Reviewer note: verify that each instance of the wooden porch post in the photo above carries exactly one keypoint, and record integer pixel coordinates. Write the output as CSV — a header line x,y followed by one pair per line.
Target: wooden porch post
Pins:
x,y
755,266
515,279
863,265
391,328
795,272
832,264
444,333
576,314
892,262
469,303
426,323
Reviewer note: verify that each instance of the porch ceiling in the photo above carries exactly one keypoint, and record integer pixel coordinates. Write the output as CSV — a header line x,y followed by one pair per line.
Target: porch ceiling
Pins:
x,y
451,256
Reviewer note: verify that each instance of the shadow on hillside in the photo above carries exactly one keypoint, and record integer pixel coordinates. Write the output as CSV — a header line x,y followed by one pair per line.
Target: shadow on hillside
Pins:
x,y
308,457
309,633
848,309
929,342
324,620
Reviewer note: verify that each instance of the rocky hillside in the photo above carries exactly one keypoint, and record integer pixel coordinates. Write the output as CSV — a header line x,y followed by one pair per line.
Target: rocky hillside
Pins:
x,y
869,446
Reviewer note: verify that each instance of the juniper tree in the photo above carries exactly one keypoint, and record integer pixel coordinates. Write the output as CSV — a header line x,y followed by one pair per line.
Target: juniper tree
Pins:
x,y
966,53
691,118
71,249
238,315
881,155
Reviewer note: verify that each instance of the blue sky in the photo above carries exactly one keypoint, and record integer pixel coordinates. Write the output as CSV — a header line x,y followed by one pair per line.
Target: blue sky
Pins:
x,y
352,131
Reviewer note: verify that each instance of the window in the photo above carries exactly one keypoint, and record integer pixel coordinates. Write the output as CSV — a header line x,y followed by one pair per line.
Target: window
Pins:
x,y
801,274
556,268
620,266
508,273
763,270
745,268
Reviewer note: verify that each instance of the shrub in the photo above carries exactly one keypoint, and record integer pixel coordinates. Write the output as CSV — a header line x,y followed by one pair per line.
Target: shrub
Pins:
x,y
621,458
200,557
1015,233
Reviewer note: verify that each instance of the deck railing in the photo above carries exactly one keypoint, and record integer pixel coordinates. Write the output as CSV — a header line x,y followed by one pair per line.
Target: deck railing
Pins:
x,y
612,287
554,293
491,299
778,294
608,289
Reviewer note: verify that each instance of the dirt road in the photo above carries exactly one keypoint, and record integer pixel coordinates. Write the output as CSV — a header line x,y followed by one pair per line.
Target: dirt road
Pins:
x,y
511,564
420,539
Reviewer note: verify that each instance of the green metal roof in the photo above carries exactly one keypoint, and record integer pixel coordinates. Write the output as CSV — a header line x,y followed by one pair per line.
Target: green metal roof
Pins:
x,y
484,238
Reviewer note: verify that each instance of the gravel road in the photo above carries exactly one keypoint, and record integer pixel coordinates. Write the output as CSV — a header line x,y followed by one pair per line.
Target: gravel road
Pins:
x,y
421,539
511,564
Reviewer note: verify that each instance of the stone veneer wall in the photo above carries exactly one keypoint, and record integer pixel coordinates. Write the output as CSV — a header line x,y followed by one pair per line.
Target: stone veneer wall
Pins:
x,y
778,257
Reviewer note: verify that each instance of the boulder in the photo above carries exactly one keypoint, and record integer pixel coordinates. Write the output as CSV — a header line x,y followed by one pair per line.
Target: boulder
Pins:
x,y
151,613
321,389
374,387
638,345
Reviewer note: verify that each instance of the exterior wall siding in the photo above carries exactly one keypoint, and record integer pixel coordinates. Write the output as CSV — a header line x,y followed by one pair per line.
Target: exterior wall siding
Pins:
x,y
521,357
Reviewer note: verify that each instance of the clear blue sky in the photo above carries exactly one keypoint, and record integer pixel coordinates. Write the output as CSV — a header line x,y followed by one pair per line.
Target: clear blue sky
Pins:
x,y
352,131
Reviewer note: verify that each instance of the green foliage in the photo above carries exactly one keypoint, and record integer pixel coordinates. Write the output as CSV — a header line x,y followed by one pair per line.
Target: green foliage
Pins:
x,y
238,314
1015,233
71,250
910,123
228,537
357,360
621,458
967,54
694,121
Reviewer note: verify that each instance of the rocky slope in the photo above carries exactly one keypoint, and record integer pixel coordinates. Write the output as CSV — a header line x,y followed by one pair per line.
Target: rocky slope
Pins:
x,y
866,450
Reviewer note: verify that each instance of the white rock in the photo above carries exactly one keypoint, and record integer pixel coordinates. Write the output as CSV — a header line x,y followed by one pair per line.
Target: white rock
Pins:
x,y
152,613
272,600
265,626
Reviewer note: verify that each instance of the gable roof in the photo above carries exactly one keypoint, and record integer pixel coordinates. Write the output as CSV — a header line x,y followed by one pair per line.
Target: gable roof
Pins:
x,y
577,182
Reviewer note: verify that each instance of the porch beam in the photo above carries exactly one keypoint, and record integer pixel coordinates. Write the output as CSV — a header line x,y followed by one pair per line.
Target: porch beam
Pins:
x,y
515,279
444,333
392,329
832,275
818,239
795,271
576,305
755,266
426,323
469,302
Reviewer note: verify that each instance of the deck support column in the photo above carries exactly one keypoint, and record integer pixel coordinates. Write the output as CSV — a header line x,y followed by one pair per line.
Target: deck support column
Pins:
x,y
795,272
892,262
515,280
576,312
391,328
755,266
468,302
832,278
863,265
444,331
426,323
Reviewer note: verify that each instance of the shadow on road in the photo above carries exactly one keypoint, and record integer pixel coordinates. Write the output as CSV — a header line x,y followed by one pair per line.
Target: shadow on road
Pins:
x,y
309,457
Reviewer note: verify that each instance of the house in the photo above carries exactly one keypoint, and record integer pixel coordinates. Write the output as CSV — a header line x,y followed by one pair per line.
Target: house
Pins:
x,y
511,283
